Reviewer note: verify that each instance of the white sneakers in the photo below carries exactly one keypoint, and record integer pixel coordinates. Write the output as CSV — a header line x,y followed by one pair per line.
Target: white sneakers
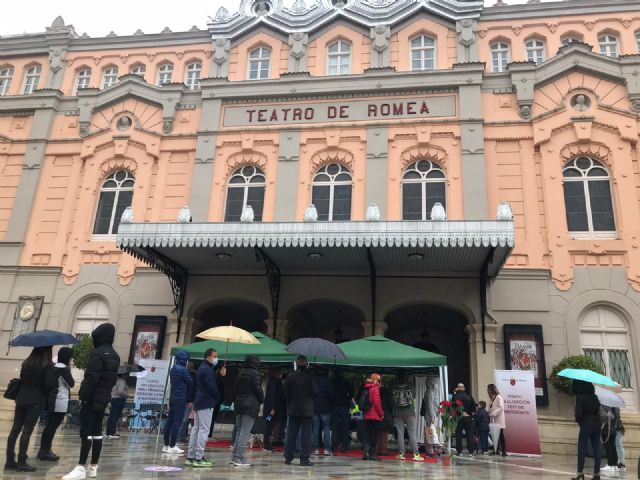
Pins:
x,y
78,473
165,449
175,450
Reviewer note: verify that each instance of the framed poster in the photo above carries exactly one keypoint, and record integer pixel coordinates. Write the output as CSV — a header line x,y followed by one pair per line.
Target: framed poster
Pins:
x,y
524,350
147,338
26,316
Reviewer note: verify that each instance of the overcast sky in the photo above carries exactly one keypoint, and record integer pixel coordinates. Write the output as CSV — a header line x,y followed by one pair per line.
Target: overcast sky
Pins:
x,y
122,16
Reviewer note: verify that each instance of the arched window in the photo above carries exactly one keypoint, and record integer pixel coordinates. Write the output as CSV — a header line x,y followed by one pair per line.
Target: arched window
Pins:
x,y
31,79
499,56
246,187
259,63
535,51
605,338
608,45
192,75
331,193
109,77
165,72
587,198
423,53
91,313
83,79
339,58
423,184
116,194
139,69
638,41
6,75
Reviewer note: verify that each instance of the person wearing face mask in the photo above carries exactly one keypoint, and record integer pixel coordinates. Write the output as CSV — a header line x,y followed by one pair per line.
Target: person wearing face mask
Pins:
x,y
207,396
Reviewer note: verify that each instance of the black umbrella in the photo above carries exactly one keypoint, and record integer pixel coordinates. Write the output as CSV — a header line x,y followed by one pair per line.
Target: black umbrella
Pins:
x,y
128,368
316,347
43,338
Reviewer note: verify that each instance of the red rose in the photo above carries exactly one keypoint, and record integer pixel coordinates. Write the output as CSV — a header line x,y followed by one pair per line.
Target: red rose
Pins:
x,y
441,410
458,402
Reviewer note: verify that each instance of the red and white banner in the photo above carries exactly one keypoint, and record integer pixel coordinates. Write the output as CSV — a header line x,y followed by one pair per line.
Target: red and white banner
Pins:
x,y
517,388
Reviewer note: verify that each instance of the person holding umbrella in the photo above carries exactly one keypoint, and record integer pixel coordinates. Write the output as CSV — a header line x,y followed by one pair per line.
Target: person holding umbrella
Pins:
x,y
298,391
587,414
58,382
29,402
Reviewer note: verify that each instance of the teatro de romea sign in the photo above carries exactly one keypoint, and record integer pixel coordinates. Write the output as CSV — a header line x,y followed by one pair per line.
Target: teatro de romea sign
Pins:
x,y
257,114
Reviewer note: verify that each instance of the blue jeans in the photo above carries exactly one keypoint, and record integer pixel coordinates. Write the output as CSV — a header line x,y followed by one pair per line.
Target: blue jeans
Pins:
x,y
585,436
117,405
322,421
340,419
619,447
174,422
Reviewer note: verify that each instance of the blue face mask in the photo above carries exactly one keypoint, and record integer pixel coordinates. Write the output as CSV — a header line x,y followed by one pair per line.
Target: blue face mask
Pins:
x,y
214,362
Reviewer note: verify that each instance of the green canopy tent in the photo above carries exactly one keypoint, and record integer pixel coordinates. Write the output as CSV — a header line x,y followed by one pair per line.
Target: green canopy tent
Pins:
x,y
269,350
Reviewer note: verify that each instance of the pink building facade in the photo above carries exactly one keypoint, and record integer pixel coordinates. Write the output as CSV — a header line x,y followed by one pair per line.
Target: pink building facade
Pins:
x,y
474,175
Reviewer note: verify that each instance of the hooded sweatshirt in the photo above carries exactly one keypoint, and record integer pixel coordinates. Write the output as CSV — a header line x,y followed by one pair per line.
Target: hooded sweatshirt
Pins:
x,y
181,381
102,370
587,410
249,395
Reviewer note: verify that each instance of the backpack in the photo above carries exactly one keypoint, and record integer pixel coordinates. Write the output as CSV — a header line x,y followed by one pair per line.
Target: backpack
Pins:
x,y
364,401
403,397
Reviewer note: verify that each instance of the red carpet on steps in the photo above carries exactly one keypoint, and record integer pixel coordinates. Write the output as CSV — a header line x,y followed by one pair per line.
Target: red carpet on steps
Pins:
x,y
353,454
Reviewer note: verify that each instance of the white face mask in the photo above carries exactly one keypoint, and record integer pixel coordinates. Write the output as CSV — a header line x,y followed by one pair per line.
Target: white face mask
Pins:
x,y
214,362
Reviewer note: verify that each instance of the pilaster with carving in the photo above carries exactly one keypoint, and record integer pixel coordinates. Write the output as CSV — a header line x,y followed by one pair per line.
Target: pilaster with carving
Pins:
x,y
298,59
380,35
220,57
467,45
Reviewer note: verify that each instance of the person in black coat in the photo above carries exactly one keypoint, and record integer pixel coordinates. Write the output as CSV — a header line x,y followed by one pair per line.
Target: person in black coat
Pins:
x,y
322,412
466,423
274,407
249,397
29,402
100,376
58,383
299,390
482,421
340,413
587,414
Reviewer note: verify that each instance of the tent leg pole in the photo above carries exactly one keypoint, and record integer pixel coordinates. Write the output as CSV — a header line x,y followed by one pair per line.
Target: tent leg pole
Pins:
x,y
164,398
446,382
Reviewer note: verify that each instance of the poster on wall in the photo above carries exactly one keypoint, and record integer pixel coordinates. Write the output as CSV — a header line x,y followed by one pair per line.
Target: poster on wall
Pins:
x,y
26,316
150,387
524,350
147,339
517,388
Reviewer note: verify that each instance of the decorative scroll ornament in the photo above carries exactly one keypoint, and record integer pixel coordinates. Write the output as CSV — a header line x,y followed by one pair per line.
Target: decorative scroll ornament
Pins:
x,y
311,214
247,214
127,215
504,212
438,213
373,213
184,216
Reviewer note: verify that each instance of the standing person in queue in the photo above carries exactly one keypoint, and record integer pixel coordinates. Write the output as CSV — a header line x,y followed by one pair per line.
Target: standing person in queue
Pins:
x,y
299,391
498,420
466,424
119,395
273,411
191,396
29,402
248,398
181,383
322,412
207,397
373,417
340,415
587,414
58,382
95,393
404,415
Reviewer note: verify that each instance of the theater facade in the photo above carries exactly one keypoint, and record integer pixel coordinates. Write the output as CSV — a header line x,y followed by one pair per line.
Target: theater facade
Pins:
x,y
459,178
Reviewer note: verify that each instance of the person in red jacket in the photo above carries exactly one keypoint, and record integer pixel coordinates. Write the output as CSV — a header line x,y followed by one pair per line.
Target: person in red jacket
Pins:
x,y
373,417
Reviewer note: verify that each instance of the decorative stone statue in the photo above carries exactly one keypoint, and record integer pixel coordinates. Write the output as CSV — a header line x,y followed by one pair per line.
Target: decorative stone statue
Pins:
x,y
525,112
581,103
247,214
373,213
167,125
438,213
127,215
310,214
56,59
380,35
221,47
124,123
466,30
184,216
298,52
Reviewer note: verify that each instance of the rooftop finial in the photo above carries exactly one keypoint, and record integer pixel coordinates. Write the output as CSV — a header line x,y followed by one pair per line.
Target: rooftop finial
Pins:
x,y
222,15
58,22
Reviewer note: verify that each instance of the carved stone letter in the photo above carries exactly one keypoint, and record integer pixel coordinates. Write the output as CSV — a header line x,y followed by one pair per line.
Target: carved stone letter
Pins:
x,y
380,45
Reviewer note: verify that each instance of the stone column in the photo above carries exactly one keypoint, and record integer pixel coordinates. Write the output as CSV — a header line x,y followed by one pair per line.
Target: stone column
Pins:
x,y
482,364
377,168
287,176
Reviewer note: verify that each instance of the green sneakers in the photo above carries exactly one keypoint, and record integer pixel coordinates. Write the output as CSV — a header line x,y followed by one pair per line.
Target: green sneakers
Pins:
x,y
400,456
417,457
189,462
202,463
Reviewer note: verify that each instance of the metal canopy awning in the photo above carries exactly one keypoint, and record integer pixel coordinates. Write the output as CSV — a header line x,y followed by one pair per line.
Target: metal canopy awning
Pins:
x,y
372,248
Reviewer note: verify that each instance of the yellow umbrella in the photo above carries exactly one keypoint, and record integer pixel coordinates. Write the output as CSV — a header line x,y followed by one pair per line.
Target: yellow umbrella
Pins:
x,y
229,334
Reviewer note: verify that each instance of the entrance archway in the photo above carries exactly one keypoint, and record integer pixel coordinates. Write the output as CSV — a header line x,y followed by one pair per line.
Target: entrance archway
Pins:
x,y
243,314
331,320
436,329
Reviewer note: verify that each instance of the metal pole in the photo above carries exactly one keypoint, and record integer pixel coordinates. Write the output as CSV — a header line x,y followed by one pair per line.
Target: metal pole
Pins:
x,y
164,397
446,382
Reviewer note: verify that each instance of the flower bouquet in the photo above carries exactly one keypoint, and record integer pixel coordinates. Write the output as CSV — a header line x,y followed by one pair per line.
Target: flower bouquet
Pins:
x,y
450,415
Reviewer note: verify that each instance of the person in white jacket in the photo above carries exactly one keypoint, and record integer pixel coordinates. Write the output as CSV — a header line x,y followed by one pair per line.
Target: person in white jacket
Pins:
x,y
498,420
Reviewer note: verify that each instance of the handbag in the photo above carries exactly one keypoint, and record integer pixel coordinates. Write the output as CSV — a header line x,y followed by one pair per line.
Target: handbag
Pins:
x,y
11,393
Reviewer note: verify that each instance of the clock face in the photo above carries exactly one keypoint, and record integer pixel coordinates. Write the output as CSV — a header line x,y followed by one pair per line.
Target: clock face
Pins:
x,y
27,311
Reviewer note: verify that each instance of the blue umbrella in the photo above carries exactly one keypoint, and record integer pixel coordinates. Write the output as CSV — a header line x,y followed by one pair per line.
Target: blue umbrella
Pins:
x,y
43,338
316,347
587,376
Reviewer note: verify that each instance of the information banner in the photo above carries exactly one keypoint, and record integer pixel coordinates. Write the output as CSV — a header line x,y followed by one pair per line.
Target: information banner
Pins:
x,y
150,387
517,388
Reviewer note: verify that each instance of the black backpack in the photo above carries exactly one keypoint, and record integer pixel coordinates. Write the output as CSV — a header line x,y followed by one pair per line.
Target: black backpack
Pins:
x,y
364,401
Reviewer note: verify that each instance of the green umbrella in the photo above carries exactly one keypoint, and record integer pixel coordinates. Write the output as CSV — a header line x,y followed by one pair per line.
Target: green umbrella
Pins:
x,y
269,350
